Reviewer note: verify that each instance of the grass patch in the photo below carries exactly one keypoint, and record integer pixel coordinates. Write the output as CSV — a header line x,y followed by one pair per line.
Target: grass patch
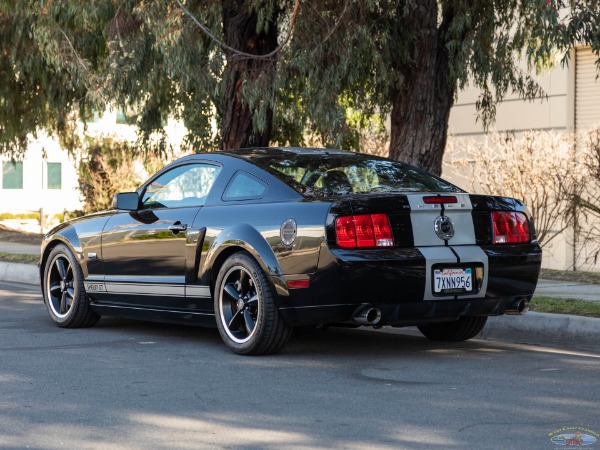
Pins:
x,y
27,216
570,275
19,258
573,306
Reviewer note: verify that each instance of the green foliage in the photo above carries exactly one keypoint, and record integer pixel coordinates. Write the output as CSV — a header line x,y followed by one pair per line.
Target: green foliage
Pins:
x,y
106,167
572,306
366,50
26,216
570,275
52,53
19,258
343,68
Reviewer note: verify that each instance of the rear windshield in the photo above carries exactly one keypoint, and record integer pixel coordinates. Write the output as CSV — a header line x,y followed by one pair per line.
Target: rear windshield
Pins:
x,y
350,173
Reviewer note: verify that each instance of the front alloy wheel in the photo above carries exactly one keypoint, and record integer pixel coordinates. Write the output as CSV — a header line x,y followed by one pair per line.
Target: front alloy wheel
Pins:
x,y
59,286
64,292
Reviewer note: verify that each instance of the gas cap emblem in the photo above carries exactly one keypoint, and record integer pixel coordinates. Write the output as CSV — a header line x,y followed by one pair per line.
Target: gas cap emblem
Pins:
x,y
288,232
444,228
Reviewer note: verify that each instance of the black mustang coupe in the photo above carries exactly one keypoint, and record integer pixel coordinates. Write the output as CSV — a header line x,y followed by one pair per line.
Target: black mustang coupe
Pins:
x,y
259,241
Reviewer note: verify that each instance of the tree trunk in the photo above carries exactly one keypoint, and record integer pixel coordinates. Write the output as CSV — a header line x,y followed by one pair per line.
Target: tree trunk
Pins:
x,y
421,105
243,73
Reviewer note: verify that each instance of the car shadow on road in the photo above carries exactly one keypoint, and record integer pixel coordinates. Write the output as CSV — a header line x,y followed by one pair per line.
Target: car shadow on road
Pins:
x,y
363,342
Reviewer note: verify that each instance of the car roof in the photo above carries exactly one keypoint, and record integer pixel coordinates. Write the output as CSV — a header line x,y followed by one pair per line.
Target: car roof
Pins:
x,y
248,153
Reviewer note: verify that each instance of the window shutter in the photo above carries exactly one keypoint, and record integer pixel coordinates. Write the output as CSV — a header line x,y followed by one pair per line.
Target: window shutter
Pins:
x,y
587,89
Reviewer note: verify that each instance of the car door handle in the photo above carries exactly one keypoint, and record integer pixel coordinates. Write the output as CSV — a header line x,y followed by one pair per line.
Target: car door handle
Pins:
x,y
177,227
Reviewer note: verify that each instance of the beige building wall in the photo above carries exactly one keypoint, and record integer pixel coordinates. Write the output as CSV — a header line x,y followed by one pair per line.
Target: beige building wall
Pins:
x,y
35,192
514,114
556,112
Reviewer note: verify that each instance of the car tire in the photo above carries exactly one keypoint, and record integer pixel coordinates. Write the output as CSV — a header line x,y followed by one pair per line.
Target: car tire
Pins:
x,y
64,292
461,330
245,307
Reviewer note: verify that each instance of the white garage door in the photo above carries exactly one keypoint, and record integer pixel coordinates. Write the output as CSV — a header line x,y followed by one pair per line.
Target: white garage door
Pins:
x,y
587,89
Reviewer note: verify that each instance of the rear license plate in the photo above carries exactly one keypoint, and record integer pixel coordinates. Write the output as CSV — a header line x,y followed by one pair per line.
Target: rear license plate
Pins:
x,y
452,280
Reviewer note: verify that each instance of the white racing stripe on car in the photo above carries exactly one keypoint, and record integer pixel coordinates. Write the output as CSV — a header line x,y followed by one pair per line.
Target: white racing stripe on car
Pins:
x,y
462,218
422,217
168,290
197,291
460,248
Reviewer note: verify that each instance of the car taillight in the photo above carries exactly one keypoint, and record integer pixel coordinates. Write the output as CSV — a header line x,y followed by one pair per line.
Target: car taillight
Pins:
x,y
364,230
510,227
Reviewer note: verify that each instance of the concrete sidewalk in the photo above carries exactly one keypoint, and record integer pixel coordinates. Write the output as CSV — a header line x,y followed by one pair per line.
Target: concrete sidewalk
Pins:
x,y
569,289
19,273
532,328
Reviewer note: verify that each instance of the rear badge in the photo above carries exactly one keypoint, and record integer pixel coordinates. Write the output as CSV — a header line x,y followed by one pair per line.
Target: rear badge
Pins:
x,y
444,228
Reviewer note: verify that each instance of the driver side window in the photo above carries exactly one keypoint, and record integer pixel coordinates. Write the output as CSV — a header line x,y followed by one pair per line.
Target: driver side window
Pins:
x,y
182,186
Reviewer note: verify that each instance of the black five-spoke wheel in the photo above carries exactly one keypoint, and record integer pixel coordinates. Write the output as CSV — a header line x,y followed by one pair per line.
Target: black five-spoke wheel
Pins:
x,y
247,316
59,285
239,304
64,292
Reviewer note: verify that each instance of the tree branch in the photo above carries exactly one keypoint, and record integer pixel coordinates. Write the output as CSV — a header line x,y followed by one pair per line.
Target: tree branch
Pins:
x,y
235,51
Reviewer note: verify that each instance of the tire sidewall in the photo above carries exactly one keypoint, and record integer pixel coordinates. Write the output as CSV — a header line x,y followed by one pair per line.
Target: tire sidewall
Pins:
x,y
78,288
265,295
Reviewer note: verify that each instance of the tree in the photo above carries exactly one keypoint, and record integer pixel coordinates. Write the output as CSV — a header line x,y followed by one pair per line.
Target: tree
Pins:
x,y
211,64
409,58
222,66
106,167
561,191
587,199
65,59
537,167
44,74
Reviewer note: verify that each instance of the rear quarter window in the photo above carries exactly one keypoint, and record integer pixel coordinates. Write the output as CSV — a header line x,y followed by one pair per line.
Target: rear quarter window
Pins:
x,y
244,186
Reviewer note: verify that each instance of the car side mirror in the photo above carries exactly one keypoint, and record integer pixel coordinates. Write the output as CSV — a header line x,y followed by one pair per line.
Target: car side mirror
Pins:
x,y
128,201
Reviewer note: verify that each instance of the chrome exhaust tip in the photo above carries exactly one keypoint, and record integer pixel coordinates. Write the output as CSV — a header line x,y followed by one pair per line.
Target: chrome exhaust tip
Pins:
x,y
367,315
518,307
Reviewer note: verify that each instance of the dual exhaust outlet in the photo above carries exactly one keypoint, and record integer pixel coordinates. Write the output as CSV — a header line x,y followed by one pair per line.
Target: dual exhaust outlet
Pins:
x,y
367,315
518,307
370,315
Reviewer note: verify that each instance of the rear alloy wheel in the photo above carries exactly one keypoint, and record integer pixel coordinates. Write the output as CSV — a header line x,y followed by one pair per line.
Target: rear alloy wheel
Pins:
x,y
461,330
64,292
247,316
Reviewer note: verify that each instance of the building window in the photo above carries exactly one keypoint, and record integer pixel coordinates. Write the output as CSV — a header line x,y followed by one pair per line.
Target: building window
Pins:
x,y
54,175
12,175
92,116
128,116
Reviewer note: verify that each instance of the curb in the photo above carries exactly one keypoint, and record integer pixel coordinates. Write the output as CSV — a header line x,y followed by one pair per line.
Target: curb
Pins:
x,y
19,273
545,329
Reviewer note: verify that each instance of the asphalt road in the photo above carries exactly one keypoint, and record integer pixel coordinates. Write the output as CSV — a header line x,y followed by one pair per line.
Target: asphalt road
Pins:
x,y
127,384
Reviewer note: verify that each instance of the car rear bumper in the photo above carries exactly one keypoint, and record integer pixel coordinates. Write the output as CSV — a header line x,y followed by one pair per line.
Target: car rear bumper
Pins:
x,y
402,314
397,284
